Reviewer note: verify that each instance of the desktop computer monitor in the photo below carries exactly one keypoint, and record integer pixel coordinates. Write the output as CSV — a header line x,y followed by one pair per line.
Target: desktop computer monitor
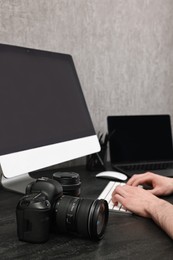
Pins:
x,y
43,114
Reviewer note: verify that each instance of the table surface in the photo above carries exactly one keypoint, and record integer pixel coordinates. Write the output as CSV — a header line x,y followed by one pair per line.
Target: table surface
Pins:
x,y
127,236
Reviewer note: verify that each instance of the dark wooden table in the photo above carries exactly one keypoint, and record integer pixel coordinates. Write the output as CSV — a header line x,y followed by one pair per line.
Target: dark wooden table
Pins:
x,y
126,236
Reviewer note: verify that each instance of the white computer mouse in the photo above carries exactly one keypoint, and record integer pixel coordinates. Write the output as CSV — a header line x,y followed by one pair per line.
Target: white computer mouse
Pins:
x,y
113,175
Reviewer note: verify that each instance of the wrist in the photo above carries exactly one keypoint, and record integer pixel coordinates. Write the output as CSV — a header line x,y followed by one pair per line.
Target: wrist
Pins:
x,y
155,206
161,212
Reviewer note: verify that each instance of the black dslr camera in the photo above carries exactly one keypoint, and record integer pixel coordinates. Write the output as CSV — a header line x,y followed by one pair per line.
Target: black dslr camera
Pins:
x,y
45,208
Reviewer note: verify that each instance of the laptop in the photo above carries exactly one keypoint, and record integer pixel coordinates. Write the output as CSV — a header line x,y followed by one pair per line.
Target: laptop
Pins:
x,y
140,143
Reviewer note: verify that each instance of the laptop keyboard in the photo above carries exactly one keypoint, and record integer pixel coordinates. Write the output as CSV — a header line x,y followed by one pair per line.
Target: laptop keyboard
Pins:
x,y
146,166
107,195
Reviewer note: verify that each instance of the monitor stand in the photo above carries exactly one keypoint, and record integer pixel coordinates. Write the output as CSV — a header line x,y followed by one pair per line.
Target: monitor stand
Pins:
x,y
17,184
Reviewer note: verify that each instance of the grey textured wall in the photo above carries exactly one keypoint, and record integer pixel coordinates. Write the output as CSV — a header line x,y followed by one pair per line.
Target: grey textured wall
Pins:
x,y
123,49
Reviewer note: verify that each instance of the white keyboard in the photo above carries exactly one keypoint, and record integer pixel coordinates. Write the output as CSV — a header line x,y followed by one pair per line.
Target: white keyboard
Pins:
x,y
107,195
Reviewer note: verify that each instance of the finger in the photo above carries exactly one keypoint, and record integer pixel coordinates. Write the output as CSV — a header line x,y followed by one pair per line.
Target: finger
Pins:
x,y
116,190
156,191
139,176
134,178
117,194
115,202
141,179
122,191
117,198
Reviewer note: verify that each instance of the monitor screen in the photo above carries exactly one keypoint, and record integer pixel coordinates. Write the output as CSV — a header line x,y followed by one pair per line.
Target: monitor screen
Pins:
x,y
41,106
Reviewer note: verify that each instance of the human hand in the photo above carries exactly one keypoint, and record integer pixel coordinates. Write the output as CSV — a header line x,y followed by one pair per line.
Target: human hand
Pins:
x,y
135,199
160,185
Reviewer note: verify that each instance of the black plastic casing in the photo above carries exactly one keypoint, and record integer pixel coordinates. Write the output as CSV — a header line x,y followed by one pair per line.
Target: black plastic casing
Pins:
x,y
52,189
33,218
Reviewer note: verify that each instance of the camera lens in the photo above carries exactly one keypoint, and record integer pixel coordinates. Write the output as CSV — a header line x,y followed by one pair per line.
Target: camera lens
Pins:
x,y
85,217
70,182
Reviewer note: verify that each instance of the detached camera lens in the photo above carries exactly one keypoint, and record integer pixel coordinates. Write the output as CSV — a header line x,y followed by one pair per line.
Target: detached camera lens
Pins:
x,y
85,217
70,182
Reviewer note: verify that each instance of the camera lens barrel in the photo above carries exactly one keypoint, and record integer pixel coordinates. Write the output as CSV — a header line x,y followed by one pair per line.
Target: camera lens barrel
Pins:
x,y
70,182
85,217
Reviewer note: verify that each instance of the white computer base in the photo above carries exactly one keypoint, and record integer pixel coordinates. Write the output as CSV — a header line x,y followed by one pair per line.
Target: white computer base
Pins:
x,y
17,184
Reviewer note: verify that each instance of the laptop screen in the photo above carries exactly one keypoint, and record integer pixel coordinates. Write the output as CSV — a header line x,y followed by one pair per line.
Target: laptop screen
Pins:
x,y
143,138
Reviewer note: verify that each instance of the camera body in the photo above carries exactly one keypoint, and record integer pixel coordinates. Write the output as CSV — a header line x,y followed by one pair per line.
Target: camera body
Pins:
x,y
52,189
34,210
33,214
45,208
